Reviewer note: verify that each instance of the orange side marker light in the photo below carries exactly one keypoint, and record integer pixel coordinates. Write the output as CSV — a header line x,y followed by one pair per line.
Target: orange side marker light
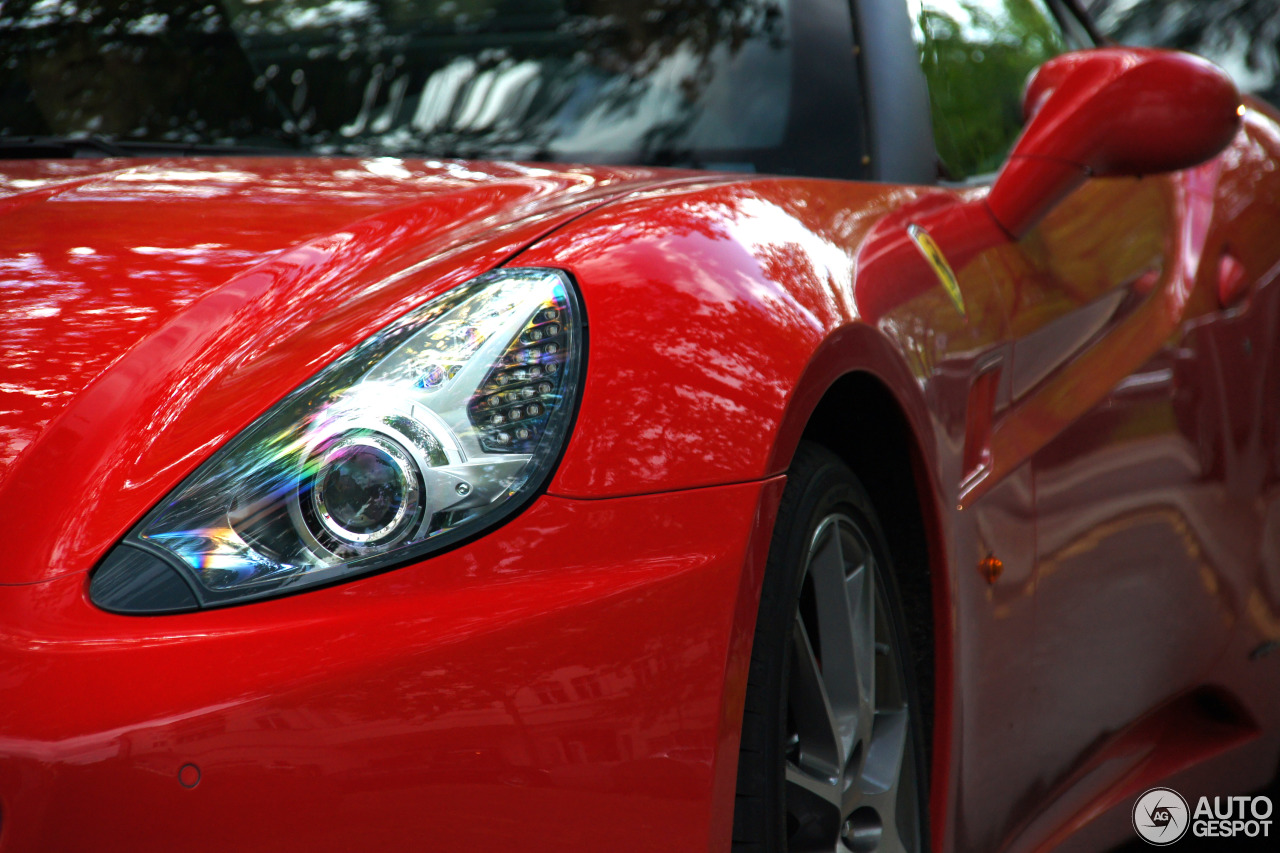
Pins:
x,y
990,567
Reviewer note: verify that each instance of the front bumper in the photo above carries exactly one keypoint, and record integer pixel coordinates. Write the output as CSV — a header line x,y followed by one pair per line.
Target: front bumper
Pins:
x,y
571,681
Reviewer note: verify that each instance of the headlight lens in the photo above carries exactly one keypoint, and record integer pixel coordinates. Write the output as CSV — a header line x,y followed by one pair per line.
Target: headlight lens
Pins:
x,y
427,432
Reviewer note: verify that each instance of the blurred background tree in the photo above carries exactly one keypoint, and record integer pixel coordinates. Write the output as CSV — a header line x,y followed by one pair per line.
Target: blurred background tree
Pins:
x,y
1242,36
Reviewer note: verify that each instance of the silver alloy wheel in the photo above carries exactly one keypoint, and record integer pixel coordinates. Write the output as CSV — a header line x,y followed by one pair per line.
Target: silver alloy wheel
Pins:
x,y
850,769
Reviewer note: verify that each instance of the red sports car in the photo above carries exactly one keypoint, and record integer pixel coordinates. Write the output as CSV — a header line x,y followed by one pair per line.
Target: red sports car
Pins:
x,y
875,449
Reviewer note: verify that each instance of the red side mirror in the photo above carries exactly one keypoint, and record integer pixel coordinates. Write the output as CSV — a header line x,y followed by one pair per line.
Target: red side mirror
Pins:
x,y
1108,112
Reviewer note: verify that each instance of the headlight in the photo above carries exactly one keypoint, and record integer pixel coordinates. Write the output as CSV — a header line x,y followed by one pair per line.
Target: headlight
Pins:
x,y
434,428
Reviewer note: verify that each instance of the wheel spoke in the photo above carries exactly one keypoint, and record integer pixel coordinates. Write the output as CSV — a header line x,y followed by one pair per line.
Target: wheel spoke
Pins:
x,y
883,765
826,790
862,595
821,750
813,810
881,786
835,612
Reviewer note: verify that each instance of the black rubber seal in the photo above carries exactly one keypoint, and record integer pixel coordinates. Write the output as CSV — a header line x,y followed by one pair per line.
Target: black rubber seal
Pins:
x,y
136,580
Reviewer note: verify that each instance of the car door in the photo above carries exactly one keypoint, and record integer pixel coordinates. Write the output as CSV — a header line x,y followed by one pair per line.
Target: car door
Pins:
x,y
1142,347
1142,550
1131,578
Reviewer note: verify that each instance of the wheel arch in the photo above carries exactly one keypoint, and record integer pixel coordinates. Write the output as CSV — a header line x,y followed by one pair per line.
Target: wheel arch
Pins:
x,y
859,400
859,420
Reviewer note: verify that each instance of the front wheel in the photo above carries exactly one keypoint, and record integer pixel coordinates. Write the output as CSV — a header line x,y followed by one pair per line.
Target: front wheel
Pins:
x,y
831,755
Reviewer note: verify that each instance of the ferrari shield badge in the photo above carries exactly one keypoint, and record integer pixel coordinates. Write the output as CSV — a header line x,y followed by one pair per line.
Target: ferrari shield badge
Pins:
x,y
938,261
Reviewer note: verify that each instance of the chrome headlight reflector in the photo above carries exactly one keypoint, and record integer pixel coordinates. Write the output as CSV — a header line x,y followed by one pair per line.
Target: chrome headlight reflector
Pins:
x,y
436,427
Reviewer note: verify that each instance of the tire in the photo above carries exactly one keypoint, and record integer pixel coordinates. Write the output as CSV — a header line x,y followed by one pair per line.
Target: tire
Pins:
x,y
832,754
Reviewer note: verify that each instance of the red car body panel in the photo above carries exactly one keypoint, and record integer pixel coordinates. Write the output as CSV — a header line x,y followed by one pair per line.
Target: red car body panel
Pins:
x,y
272,268
575,678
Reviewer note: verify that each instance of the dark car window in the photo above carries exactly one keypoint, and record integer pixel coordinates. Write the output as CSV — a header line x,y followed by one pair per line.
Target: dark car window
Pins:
x,y
569,80
1240,36
977,55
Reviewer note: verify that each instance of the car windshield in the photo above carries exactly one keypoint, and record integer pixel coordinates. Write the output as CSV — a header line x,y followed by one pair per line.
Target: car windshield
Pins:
x,y
665,82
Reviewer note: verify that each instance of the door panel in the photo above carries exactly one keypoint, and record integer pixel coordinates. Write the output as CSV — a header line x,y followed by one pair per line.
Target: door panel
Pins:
x,y
1143,556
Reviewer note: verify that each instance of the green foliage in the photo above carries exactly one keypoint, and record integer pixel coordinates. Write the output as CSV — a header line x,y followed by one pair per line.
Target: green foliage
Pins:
x,y
977,55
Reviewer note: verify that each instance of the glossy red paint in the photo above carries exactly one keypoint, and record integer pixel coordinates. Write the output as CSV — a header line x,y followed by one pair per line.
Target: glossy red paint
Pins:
x,y
892,267
264,272
590,701
764,267
1145,541
1232,280
1109,112
1007,743
574,679
72,225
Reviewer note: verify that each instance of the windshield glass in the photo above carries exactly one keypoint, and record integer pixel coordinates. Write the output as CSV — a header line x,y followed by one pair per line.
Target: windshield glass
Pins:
x,y
666,82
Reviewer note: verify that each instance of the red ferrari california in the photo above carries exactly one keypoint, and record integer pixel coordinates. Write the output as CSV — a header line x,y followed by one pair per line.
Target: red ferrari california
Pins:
x,y
597,425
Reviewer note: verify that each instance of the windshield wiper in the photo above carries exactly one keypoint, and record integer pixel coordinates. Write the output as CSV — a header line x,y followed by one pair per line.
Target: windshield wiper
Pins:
x,y
74,147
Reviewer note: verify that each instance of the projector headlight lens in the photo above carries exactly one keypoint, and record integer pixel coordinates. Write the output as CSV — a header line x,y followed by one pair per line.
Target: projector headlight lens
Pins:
x,y
429,431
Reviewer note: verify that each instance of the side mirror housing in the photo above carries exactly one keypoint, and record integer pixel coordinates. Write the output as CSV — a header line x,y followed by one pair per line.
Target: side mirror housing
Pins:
x,y
1111,112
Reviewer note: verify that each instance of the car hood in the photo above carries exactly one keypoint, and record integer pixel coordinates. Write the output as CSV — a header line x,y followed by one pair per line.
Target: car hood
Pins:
x,y
131,289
